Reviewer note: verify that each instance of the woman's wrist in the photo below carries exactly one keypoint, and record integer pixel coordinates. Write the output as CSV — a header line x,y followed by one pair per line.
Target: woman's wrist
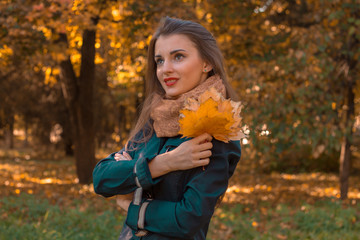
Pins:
x,y
160,165
124,204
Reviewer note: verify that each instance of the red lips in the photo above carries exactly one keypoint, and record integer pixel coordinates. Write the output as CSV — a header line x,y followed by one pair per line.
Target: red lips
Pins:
x,y
170,81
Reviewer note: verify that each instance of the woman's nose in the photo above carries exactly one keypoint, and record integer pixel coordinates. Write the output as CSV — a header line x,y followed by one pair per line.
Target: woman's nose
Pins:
x,y
168,66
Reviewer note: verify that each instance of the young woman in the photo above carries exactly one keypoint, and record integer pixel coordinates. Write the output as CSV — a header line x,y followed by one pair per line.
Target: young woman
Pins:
x,y
170,185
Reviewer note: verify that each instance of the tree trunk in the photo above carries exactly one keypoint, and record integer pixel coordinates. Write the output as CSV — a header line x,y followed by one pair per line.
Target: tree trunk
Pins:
x,y
26,141
67,136
85,132
345,154
78,94
344,167
195,4
9,133
348,68
122,120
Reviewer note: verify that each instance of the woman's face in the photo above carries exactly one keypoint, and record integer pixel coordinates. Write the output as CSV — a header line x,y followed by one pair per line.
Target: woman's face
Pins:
x,y
180,67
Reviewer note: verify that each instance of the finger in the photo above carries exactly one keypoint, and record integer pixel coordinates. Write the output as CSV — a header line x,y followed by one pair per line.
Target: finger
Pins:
x,y
204,146
128,157
202,155
119,157
205,137
202,162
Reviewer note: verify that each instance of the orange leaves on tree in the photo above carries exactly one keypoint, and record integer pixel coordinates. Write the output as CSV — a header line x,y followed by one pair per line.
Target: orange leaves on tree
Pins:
x,y
212,114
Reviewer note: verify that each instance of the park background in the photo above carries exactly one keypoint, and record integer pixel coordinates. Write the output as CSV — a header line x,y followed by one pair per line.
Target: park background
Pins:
x,y
72,79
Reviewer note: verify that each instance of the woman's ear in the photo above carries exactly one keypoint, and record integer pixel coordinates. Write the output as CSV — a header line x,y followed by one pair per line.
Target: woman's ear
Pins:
x,y
207,67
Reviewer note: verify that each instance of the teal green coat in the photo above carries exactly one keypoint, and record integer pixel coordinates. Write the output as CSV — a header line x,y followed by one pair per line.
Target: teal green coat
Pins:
x,y
183,201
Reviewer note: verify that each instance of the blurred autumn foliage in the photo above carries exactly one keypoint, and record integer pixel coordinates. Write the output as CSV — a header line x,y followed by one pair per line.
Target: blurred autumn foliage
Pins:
x,y
72,74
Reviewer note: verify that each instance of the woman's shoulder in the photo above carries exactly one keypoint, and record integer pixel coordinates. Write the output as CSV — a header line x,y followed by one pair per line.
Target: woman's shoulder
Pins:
x,y
231,146
176,140
227,144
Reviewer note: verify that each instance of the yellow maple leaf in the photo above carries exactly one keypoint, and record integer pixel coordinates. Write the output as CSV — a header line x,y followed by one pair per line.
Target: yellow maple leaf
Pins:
x,y
212,114
211,93
191,104
225,106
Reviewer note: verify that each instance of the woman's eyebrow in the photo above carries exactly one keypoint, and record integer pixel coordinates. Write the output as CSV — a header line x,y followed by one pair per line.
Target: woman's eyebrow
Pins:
x,y
172,52
177,50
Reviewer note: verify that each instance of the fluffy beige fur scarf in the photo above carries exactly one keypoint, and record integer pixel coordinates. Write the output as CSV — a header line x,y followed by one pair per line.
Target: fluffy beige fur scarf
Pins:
x,y
165,111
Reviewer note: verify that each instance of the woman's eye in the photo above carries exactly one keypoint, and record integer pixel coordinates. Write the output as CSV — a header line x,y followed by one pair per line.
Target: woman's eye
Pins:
x,y
179,56
159,61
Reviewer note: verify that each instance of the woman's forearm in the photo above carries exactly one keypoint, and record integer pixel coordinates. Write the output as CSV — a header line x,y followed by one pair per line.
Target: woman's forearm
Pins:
x,y
160,165
190,154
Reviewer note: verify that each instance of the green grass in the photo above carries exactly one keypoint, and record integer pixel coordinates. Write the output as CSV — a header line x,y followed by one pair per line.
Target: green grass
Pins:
x,y
30,217
325,220
34,217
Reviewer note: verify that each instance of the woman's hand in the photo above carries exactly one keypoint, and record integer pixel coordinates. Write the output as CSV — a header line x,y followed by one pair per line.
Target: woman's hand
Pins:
x,y
190,154
123,156
123,201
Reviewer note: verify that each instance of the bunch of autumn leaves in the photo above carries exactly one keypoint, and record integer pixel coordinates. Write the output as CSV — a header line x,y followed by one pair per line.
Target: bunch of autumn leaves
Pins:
x,y
211,113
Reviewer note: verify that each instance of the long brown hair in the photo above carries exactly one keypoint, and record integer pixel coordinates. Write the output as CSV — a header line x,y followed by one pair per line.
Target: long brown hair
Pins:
x,y
209,51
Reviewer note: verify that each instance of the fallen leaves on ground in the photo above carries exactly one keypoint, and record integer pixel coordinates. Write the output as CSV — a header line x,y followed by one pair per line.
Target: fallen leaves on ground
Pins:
x,y
58,182
259,198
276,188
55,180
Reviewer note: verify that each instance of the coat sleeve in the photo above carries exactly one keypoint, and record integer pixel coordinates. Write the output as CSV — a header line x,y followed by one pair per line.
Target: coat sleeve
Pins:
x,y
111,177
183,219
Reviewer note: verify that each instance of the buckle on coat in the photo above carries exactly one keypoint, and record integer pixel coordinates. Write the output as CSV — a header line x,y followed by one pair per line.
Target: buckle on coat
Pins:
x,y
141,233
